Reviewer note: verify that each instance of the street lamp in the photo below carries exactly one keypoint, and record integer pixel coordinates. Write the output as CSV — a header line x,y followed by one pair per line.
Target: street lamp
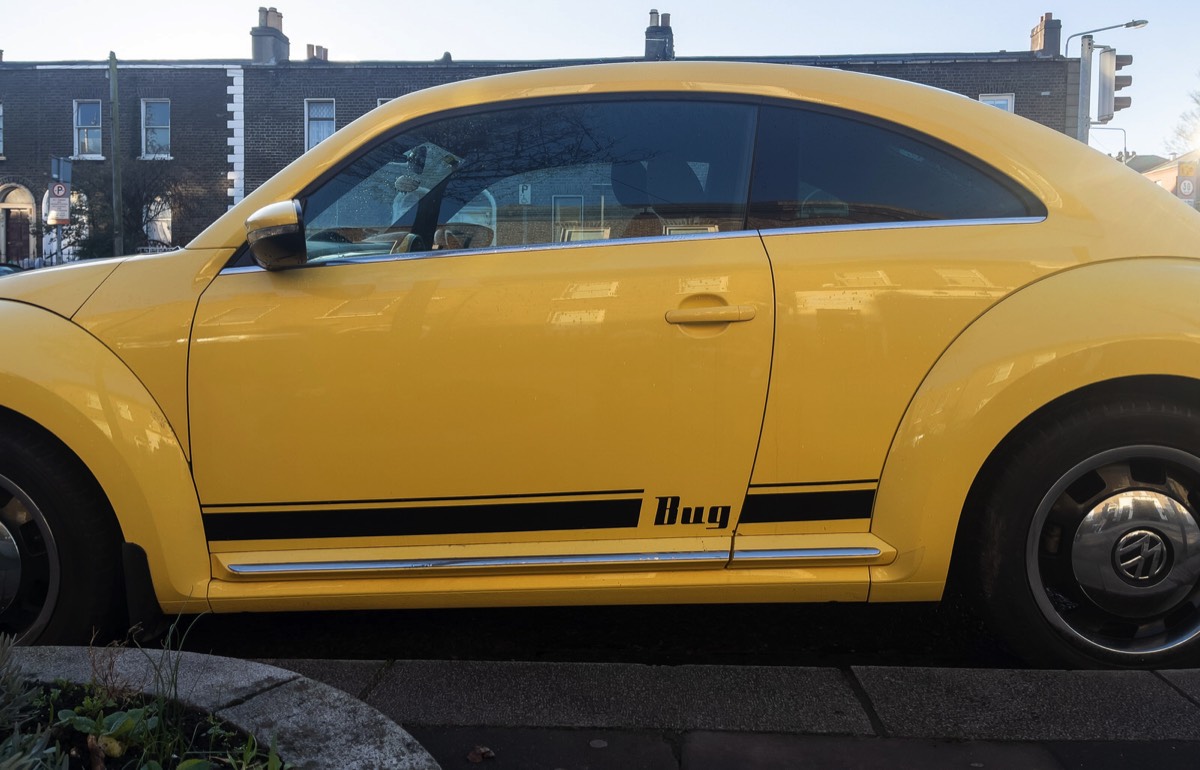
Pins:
x,y
1084,119
1133,24
1124,141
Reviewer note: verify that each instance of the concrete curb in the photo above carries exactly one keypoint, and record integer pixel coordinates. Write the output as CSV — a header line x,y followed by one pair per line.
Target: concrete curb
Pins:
x,y
310,722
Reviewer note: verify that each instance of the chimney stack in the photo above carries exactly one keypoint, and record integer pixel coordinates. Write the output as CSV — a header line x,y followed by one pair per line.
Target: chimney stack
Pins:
x,y
268,43
1044,39
317,53
660,40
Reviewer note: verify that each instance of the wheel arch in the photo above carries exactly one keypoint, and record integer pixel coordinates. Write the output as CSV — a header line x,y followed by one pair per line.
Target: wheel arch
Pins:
x,y
61,380
1086,333
967,540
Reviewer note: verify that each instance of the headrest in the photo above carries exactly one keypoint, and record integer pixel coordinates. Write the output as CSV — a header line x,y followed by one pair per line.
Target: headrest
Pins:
x,y
671,180
629,184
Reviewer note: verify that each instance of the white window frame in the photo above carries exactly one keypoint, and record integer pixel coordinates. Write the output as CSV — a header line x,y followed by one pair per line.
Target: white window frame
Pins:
x,y
156,155
308,145
160,223
1006,102
76,126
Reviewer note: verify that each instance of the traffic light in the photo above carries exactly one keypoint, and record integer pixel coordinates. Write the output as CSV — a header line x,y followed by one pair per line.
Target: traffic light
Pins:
x,y
1110,82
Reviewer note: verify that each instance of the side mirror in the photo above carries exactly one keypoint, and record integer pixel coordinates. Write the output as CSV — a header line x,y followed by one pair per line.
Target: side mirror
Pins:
x,y
276,235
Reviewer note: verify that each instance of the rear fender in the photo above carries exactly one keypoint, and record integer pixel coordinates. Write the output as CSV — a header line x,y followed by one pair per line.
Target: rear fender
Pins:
x,y
1085,326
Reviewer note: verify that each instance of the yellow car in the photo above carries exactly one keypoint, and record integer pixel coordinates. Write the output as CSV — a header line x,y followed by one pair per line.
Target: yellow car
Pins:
x,y
632,333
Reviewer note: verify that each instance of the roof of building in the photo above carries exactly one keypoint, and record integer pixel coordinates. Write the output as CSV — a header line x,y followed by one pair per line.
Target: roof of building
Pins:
x,y
1187,157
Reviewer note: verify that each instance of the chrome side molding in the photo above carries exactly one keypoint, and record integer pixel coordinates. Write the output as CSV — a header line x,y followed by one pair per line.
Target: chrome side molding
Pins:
x,y
390,565
805,554
649,560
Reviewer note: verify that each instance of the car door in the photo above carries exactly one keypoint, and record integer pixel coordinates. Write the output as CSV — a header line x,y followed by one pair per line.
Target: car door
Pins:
x,y
885,245
527,339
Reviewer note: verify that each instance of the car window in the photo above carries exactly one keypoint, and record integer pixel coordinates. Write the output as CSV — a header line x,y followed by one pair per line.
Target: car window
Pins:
x,y
543,174
816,168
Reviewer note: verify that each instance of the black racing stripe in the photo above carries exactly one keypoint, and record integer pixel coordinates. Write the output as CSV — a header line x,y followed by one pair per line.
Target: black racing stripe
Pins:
x,y
807,506
815,484
423,520
410,500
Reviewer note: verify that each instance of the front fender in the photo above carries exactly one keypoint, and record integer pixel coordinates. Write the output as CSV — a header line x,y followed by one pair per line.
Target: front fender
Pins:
x,y
1077,328
59,376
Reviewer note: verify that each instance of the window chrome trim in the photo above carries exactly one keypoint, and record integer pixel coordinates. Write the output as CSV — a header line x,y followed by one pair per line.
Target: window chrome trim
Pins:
x,y
807,554
522,249
300,568
762,233
922,223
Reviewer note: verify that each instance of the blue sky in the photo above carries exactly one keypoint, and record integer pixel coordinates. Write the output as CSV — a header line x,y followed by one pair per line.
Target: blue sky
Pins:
x,y
1166,52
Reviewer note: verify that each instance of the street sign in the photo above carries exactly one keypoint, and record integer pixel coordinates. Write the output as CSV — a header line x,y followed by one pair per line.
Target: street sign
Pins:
x,y
58,207
1187,188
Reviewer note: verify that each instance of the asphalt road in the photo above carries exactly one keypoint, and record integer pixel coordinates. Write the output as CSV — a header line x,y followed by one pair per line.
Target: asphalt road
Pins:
x,y
787,635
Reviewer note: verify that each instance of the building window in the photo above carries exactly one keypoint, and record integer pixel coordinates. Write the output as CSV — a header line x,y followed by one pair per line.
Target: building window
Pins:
x,y
1,129
319,121
158,220
380,102
87,129
1006,102
156,128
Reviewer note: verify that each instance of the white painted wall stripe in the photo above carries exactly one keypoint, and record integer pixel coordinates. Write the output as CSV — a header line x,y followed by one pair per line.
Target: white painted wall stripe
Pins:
x,y
237,140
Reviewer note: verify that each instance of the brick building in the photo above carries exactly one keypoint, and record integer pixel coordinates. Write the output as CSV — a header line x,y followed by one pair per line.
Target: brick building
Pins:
x,y
196,136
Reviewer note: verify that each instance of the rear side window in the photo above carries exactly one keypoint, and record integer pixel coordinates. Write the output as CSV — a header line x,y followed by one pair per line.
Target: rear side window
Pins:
x,y
815,169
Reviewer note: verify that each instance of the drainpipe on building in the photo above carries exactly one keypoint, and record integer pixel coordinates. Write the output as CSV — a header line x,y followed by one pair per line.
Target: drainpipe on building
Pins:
x,y
118,202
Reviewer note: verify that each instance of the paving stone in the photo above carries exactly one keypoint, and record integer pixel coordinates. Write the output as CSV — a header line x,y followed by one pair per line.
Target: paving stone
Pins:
x,y
778,699
972,704
353,677
527,748
1186,680
1127,755
719,751
349,732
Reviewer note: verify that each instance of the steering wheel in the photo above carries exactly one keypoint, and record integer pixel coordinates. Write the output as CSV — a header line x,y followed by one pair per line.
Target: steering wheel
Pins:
x,y
332,236
409,243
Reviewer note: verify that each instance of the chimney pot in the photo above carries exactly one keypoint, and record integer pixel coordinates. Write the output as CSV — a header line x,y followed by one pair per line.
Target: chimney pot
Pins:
x,y
660,40
268,43
1044,39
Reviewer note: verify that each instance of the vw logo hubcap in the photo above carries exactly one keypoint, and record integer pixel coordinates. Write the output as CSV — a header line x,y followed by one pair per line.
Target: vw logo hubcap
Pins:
x,y
1142,557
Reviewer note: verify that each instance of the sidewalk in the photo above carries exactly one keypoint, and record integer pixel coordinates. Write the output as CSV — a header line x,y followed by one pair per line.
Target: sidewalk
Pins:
x,y
578,716
569,715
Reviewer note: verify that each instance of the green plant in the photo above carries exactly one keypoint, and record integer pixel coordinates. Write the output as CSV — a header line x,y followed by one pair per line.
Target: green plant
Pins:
x,y
30,751
113,726
19,704
115,733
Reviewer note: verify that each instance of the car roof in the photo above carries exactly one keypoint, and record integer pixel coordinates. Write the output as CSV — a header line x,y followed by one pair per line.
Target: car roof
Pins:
x,y
1057,169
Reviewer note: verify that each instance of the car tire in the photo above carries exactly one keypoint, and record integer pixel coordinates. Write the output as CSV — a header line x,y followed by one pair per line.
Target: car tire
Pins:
x,y
60,558
1091,537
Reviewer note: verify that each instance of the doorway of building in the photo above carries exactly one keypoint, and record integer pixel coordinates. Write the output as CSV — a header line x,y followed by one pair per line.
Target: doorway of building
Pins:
x,y
16,219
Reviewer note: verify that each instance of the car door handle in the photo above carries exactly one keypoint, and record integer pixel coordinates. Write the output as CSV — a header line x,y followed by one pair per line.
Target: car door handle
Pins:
x,y
723,314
